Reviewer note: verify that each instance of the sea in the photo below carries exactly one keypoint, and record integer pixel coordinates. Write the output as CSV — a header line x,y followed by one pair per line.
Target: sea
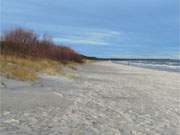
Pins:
x,y
170,65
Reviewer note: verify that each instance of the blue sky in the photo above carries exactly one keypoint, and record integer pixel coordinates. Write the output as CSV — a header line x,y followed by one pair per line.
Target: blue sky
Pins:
x,y
102,28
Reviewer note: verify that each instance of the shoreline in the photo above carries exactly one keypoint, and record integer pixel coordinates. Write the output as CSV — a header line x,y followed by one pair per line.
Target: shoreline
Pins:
x,y
152,66
136,67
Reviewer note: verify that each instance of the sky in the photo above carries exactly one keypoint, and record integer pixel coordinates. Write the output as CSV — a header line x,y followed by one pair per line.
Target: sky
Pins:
x,y
101,28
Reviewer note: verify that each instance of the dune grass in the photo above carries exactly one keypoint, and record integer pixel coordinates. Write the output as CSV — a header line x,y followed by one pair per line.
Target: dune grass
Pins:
x,y
27,68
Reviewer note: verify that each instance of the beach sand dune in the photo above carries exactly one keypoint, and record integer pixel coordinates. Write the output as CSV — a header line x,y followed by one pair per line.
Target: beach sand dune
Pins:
x,y
102,99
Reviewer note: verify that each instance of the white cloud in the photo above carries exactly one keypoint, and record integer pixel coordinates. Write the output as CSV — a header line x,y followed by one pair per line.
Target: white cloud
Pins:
x,y
79,41
90,37
68,34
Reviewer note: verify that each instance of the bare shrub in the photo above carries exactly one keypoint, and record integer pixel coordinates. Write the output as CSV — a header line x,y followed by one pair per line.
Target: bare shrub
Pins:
x,y
25,43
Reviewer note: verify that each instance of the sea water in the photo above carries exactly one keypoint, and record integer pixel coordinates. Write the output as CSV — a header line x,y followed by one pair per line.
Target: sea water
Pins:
x,y
158,64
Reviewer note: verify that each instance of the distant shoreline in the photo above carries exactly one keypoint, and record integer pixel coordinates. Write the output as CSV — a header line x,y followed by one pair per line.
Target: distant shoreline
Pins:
x,y
153,68
171,65
129,59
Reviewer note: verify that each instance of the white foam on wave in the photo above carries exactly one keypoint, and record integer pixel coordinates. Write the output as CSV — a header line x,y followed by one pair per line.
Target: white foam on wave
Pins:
x,y
168,66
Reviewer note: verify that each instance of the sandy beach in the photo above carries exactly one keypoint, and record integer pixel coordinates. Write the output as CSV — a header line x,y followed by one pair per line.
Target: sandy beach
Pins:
x,y
103,98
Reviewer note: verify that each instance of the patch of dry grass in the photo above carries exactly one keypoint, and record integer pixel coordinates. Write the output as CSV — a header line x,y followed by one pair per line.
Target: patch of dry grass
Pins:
x,y
71,75
27,68
87,61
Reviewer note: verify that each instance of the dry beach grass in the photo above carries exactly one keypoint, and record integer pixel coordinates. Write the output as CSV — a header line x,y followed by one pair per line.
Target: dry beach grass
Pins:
x,y
27,68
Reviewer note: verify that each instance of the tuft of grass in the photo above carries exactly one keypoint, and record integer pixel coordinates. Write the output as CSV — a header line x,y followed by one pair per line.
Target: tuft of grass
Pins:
x,y
27,68
21,73
71,75
88,61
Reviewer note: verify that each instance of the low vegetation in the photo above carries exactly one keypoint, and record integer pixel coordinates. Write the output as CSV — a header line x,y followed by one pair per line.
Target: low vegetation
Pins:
x,y
25,43
28,68
24,55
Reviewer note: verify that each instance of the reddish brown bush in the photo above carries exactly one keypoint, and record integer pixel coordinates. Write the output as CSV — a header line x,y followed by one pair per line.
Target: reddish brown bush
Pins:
x,y
26,43
19,42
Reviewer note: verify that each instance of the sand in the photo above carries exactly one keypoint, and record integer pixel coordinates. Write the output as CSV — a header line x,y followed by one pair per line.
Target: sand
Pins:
x,y
102,99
